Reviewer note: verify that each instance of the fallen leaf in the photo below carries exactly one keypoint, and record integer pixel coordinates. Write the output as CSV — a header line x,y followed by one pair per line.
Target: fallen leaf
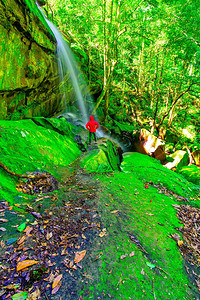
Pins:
x,y
35,295
49,235
3,220
79,256
20,296
25,264
132,254
21,240
21,227
114,211
37,215
123,256
56,284
11,241
11,286
83,236
150,265
103,233
28,229
180,243
142,272
2,244
2,229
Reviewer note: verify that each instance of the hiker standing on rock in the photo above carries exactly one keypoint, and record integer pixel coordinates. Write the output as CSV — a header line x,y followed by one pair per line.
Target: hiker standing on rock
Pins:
x,y
92,125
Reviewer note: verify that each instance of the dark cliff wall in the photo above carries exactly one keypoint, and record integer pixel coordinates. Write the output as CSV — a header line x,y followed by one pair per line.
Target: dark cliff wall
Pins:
x,y
28,68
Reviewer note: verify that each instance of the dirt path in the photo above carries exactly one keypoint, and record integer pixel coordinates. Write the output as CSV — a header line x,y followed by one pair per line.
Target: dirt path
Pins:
x,y
57,242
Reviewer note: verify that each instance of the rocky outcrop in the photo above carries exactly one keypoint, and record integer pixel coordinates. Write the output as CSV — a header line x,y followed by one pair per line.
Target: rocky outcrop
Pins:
x,y
147,143
28,68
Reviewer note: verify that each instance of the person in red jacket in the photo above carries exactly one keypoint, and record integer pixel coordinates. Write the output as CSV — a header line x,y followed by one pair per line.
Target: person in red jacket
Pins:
x,y
92,125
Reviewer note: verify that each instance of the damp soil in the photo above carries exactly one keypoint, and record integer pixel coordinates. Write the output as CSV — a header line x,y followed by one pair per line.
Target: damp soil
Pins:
x,y
63,227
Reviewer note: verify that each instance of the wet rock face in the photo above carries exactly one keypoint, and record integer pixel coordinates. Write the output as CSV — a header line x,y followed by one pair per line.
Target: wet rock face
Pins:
x,y
28,68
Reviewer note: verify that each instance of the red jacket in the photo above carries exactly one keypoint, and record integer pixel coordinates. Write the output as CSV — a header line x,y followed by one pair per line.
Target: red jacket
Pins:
x,y
92,125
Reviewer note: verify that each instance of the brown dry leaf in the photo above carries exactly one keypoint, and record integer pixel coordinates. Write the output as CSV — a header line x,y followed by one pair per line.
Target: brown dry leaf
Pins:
x,y
56,282
21,240
3,220
28,229
49,235
25,264
35,295
180,243
132,254
114,211
2,244
64,252
123,256
103,233
79,256
83,236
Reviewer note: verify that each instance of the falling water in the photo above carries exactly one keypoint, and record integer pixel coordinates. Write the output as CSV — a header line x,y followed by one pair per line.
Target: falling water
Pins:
x,y
68,68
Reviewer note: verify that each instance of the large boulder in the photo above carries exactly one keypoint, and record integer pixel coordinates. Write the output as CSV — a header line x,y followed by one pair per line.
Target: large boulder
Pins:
x,y
102,157
147,143
196,157
178,159
29,75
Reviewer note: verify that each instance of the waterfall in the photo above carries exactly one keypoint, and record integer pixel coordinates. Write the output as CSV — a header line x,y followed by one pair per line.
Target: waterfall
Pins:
x,y
77,99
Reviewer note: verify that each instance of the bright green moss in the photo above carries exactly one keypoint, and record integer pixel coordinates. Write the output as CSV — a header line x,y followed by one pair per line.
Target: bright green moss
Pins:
x,y
130,207
191,173
96,161
26,147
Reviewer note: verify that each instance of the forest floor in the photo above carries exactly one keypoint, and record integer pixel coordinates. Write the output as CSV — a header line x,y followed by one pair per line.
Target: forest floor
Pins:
x,y
108,236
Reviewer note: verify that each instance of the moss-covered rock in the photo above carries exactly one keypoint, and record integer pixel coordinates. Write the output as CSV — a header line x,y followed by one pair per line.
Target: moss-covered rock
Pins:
x,y
191,173
96,161
104,158
27,147
179,159
29,76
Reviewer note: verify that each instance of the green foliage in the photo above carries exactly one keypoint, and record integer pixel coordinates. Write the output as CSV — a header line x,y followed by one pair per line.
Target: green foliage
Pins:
x,y
128,208
155,51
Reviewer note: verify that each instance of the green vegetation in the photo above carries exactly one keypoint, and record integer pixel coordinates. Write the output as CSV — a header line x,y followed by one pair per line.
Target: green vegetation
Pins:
x,y
192,173
27,147
141,59
153,268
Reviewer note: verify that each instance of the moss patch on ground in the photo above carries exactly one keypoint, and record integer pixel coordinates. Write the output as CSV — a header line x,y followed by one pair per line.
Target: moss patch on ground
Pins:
x,y
134,256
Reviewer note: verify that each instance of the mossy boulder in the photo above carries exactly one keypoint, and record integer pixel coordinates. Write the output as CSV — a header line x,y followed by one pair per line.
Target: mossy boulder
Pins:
x,y
103,158
179,159
27,147
29,75
191,173
196,156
